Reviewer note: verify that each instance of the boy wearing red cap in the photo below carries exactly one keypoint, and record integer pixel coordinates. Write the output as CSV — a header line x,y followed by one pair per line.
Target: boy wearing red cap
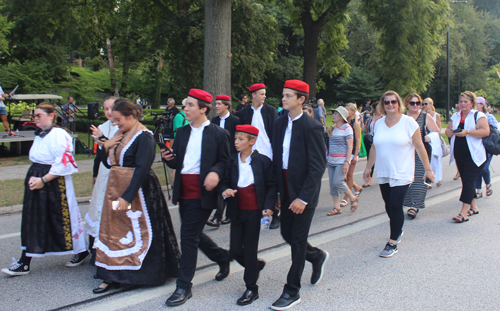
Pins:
x,y
227,121
199,154
250,188
262,116
299,163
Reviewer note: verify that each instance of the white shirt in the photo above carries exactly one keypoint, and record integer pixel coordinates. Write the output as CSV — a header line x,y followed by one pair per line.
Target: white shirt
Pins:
x,y
1,102
192,158
263,144
287,139
245,178
55,149
223,119
475,144
395,160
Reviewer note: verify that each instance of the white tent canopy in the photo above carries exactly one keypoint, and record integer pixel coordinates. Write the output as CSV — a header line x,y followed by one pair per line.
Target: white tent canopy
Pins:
x,y
35,96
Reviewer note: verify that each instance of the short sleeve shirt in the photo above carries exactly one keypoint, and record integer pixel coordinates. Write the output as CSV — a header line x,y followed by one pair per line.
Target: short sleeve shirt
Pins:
x,y
395,161
338,144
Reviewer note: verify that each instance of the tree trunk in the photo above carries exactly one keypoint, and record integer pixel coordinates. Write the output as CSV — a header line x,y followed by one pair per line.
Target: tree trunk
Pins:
x,y
217,58
158,81
111,62
312,30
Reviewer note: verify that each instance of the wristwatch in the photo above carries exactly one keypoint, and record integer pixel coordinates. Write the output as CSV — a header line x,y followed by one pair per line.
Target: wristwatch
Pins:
x,y
467,132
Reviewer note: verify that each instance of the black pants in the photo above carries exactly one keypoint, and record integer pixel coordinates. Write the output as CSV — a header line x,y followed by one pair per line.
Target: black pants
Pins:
x,y
245,231
295,230
394,198
368,147
221,207
193,219
469,172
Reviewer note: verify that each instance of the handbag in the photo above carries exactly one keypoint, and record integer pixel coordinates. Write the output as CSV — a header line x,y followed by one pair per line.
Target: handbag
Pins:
x,y
491,142
444,147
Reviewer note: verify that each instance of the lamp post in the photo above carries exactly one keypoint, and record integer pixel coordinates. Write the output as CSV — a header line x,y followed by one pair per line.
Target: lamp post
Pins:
x,y
448,66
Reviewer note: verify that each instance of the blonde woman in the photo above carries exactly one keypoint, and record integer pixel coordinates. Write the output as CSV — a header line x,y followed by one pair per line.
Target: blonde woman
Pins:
x,y
466,147
436,162
396,138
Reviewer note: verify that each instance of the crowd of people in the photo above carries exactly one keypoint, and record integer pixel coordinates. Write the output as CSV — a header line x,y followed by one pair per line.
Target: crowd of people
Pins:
x,y
248,165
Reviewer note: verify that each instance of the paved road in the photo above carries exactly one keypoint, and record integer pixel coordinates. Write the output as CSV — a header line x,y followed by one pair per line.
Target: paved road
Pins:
x,y
440,265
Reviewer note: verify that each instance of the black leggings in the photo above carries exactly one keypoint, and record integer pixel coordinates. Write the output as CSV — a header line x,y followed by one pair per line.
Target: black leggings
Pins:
x,y
394,198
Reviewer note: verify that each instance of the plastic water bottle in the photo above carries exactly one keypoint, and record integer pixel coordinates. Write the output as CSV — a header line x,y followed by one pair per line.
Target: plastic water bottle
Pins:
x,y
264,222
17,131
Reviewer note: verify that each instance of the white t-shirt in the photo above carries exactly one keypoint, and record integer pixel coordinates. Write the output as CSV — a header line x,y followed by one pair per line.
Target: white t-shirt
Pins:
x,y
395,153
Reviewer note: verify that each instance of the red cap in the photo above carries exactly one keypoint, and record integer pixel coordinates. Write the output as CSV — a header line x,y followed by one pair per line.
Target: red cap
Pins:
x,y
247,128
297,85
222,97
200,95
256,86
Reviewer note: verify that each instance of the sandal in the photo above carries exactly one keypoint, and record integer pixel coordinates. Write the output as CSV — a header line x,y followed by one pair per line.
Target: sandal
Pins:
x,y
334,212
456,176
412,213
354,205
471,212
489,191
429,187
479,194
439,184
460,218
343,203
357,193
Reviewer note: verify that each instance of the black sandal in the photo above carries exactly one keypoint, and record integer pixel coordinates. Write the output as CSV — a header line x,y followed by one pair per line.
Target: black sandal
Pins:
x,y
109,285
471,212
412,213
460,218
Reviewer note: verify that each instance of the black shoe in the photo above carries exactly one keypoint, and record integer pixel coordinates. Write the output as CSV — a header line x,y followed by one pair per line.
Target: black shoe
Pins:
x,y
214,223
318,267
248,297
77,259
109,285
223,271
17,268
226,221
286,302
275,224
262,264
179,297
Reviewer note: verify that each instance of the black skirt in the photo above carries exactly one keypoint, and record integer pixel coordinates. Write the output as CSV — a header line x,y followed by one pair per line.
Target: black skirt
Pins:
x,y
46,223
162,259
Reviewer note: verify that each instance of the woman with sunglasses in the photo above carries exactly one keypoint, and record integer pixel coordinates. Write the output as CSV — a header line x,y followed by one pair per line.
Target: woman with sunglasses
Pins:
x,y
485,173
415,197
436,161
467,129
396,138
51,221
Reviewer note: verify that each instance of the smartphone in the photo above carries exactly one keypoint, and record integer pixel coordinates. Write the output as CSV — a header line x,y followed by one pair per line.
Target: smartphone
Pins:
x,y
115,205
457,130
427,182
162,146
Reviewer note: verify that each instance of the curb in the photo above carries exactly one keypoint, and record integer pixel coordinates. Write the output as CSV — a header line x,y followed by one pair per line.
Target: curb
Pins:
x,y
18,208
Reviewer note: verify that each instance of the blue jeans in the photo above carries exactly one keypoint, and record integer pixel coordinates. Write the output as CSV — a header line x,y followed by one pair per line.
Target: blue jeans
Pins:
x,y
485,173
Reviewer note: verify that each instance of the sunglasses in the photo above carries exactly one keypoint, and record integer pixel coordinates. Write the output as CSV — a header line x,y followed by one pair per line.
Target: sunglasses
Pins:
x,y
388,102
425,104
415,103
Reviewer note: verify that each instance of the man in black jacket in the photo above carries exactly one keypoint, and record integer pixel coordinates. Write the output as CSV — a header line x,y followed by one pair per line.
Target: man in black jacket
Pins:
x,y
196,177
227,121
299,162
262,116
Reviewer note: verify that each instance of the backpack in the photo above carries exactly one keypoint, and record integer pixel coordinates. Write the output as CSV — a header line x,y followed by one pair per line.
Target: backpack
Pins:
x,y
491,142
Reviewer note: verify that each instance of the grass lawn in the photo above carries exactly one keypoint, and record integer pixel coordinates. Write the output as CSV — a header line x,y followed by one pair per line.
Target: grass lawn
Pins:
x,y
13,190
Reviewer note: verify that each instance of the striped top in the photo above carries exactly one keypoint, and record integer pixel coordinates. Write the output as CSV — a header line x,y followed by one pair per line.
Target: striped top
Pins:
x,y
338,144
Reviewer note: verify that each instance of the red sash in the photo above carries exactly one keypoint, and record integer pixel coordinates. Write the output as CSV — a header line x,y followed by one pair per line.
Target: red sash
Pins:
x,y
285,181
247,198
190,186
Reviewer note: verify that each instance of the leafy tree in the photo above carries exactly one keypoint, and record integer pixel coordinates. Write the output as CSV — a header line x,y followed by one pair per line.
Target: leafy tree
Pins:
x,y
411,33
5,27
